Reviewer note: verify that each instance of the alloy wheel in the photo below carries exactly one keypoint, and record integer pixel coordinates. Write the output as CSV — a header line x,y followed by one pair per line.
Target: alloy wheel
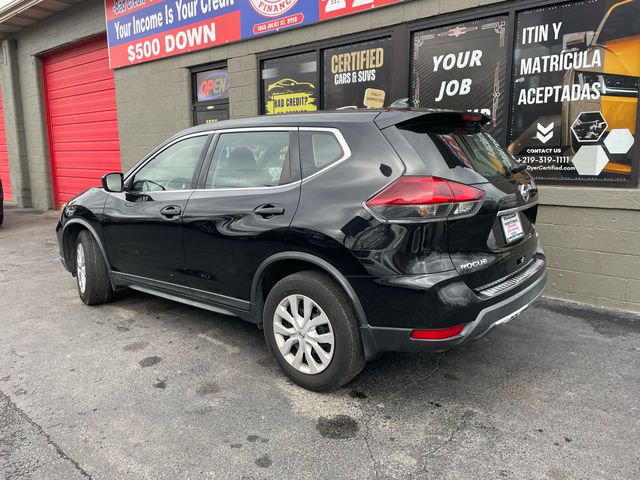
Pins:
x,y
81,269
304,334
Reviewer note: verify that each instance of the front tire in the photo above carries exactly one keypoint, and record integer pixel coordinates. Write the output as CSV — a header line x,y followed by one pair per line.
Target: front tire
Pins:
x,y
312,331
92,274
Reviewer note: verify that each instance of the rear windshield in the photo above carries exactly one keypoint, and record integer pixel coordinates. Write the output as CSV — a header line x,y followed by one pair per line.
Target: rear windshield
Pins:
x,y
463,147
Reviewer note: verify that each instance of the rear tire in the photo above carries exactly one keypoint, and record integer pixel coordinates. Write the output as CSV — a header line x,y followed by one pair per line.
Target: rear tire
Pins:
x,y
92,274
319,348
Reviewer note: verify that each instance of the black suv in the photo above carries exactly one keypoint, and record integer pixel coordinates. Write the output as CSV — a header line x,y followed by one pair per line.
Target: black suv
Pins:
x,y
342,234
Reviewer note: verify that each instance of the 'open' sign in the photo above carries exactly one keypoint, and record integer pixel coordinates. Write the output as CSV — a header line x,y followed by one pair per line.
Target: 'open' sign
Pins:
x,y
213,85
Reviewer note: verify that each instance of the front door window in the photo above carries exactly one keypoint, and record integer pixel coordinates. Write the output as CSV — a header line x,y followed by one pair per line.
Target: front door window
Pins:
x,y
172,169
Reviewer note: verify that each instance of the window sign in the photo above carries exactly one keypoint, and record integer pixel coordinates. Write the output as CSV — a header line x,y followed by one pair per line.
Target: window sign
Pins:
x,y
462,67
358,75
289,84
212,85
575,90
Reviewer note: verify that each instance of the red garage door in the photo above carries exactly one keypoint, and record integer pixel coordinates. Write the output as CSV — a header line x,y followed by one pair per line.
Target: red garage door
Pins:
x,y
82,118
4,156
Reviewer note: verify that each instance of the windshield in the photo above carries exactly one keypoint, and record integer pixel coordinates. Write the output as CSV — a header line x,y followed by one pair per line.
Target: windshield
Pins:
x,y
622,22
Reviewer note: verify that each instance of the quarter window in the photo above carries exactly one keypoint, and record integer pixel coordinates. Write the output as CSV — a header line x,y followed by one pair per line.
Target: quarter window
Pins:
x,y
249,160
173,168
319,150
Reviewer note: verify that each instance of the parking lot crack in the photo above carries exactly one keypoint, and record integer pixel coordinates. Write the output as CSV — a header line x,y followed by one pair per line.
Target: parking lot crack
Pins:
x,y
368,444
61,453
446,442
436,368
450,438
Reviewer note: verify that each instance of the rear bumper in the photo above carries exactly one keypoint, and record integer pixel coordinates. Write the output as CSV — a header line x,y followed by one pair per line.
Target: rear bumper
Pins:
x,y
381,339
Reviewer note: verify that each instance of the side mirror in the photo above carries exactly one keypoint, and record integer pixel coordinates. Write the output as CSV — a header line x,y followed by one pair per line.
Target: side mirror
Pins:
x,y
577,40
113,182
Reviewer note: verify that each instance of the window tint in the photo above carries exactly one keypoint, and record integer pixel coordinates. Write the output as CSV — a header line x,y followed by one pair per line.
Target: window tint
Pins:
x,y
250,159
472,148
171,169
479,151
319,150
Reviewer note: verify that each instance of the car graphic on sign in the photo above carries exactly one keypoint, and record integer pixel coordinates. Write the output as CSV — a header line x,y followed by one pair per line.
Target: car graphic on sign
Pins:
x,y
289,83
618,41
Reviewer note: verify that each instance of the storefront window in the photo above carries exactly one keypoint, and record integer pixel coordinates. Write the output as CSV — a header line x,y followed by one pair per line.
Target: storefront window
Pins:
x,y
211,95
358,75
462,67
559,83
575,92
289,84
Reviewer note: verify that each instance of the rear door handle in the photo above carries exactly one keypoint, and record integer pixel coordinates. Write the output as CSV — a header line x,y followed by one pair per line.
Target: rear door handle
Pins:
x,y
171,212
269,210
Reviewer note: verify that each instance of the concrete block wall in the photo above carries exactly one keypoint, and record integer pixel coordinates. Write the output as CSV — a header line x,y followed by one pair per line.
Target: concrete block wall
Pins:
x,y
27,139
592,240
14,124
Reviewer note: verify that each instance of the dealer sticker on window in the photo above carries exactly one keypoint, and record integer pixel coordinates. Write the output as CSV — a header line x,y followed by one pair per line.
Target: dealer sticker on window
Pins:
x,y
512,227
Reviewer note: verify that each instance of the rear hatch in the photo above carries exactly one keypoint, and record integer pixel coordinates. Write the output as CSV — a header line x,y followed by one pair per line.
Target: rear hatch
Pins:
x,y
498,243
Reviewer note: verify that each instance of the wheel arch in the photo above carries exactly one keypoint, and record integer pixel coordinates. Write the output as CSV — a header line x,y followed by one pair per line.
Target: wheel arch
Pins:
x,y
311,262
70,232
300,259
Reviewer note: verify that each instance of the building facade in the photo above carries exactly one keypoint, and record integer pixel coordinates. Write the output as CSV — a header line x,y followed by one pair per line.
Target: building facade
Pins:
x,y
84,92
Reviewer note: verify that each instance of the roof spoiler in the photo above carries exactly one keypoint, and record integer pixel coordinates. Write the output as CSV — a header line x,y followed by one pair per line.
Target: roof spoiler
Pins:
x,y
405,118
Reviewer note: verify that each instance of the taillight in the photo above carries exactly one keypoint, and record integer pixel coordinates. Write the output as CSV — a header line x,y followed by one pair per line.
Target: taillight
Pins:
x,y
425,199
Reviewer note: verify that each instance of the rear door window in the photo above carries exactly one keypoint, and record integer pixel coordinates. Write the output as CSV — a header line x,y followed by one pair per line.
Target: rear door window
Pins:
x,y
250,159
318,150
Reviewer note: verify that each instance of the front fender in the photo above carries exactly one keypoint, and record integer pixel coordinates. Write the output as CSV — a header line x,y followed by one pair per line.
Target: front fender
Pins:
x,y
69,233
81,213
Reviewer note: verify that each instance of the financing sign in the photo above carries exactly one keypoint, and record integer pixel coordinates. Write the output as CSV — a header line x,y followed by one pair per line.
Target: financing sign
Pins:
x,y
143,30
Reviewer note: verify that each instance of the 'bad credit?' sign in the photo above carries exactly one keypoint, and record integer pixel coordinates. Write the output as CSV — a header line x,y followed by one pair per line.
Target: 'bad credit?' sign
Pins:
x,y
143,30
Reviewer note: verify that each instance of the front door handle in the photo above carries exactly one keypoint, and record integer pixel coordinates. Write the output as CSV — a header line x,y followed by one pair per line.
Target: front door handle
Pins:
x,y
269,210
171,212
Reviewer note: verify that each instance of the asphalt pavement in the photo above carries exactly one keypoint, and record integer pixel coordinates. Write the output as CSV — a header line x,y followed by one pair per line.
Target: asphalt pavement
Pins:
x,y
143,388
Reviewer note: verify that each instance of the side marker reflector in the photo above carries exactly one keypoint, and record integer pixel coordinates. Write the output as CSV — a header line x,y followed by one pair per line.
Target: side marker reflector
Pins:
x,y
437,334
